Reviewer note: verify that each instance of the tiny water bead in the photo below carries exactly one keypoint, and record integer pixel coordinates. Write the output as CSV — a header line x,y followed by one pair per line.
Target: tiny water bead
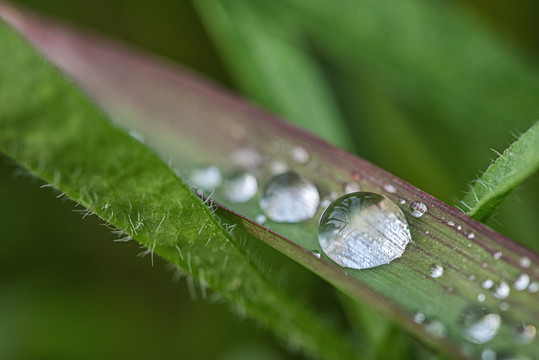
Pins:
x,y
481,297
240,188
390,188
290,198
316,253
436,271
488,354
351,187
362,230
496,255
260,218
206,178
480,326
522,282
525,262
299,155
418,209
502,291
487,284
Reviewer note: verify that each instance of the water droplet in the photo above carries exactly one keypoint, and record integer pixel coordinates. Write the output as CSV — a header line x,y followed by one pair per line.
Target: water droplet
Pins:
x,y
290,198
299,155
363,230
525,262
325,203
277,167
317,253
240,188
484,265
390,188
419,317
471,235
525,334
206,178
260,218
351,187
481,297
402,201
488,354
471,277
427,232
435,328
246,158
418,209
487,284
496,255
504,306
480,326
502,291
522,282
450,223
459,227
533,288
436,271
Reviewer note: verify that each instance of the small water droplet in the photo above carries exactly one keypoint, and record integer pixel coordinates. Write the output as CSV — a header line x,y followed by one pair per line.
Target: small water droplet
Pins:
x,y
402,201
484,265
497,255
240,188
246,158
317,254
487,284
480,326
418,209
325,203
522,282
436,271
427,232
206,178
459,227
299,155
502,291
533,288
435,328
290,198
450,223
525,262
351,187
390,188
504,306
525,334
277,167
488,354
363,230
419,317
481,297
260,218
471,235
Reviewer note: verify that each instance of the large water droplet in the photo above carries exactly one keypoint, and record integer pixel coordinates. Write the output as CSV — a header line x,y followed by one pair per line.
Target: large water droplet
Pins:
x,y
206,178
522,282
363,230
290,198
436,270
480,326
241,187
418,209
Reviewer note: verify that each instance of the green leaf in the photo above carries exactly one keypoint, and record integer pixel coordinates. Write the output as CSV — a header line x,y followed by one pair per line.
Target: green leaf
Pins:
x,y
193,122
55,131
509,170
268,56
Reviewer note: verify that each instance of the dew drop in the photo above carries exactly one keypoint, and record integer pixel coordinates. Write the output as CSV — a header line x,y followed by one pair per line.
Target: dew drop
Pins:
x,y
488,354
496,255
418,209
390,188
316,253
363,230
206,178
525,262
502,291
525,334
435,328
260,218
247,158
351,187
419,317
471,235
480,326
533,288
450,223
487,284
459,227
240,188
522,282
504,306
299,155
325,203
402,201
277,167
481,297
436,271
290,198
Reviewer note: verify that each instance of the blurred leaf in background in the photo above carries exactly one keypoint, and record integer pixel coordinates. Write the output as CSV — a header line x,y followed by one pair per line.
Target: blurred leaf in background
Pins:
x,y
424,89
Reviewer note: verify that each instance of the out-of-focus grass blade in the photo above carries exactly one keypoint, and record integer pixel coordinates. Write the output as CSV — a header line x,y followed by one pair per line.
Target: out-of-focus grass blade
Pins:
x,y
268,56
195,123
510,169
52,129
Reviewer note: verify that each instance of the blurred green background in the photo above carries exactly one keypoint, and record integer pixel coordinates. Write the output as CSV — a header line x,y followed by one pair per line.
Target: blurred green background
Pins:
x,y
68,291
